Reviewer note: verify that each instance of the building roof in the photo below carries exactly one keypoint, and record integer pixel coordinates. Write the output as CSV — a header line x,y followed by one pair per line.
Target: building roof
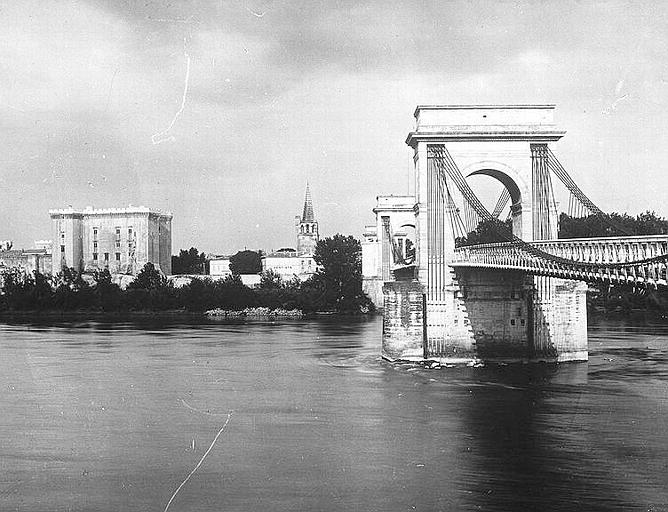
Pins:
x,y
282,253
307,215
89,210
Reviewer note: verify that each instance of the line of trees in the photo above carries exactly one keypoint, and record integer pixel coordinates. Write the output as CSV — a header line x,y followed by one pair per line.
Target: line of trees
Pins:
x,y
336,286
647,223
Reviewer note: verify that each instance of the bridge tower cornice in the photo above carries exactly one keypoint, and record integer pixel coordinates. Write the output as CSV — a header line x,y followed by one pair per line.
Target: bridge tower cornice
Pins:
x,y
484,123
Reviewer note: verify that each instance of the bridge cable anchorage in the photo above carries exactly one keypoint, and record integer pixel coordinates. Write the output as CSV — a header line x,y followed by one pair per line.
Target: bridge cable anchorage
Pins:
x,y
445,166
579,203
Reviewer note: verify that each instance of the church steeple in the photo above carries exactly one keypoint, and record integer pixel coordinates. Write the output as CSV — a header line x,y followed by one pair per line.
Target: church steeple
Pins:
x,y
307,216
307,236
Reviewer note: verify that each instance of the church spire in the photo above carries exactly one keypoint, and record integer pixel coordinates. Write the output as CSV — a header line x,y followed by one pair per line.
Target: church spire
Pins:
x,y
308,216
307,235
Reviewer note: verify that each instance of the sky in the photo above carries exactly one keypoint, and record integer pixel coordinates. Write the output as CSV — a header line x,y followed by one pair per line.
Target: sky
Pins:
x,y
221,111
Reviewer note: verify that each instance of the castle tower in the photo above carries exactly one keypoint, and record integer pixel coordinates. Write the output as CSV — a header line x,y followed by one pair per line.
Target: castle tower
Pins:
x,y
307,233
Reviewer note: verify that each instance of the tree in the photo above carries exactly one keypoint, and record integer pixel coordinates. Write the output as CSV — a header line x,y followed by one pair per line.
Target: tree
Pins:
x,y
487,232
270,280
189,262
149,278
647,223
107,293
42,293
246,262
339,276
21,290
72,290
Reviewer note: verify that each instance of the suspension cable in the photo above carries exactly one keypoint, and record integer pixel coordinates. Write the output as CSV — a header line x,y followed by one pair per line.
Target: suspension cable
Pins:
x,y
501,202
561,173
445,165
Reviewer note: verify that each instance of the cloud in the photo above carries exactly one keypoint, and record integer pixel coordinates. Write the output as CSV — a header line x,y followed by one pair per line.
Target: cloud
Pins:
x,y
314,90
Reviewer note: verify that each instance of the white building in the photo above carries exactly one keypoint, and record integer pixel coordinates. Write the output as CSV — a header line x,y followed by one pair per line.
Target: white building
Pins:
x,y
288,264
122,240
219,267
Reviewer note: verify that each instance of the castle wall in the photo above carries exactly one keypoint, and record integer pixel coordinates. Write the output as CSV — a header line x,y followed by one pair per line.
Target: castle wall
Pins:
x,y
67,248
120,239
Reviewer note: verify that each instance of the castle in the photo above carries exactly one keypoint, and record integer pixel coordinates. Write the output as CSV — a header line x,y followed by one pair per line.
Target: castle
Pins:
x,y
119,239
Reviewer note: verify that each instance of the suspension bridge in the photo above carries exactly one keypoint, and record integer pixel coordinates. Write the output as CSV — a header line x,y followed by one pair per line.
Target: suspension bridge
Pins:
x,y
522,297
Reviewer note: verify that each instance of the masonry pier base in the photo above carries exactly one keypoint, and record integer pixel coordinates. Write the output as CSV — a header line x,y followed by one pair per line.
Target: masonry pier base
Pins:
x,y
486,315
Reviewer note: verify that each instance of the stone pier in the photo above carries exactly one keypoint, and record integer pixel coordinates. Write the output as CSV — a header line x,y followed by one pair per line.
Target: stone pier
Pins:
x,y
403,321
489,315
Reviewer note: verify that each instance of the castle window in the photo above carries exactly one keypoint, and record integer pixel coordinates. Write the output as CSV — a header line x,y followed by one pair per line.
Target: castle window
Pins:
x,y
118,256
512,321
95,245
62,248
94,233
94,256
106,256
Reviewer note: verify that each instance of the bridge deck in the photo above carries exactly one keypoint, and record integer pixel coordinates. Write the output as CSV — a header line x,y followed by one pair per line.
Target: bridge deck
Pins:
x,y
601,258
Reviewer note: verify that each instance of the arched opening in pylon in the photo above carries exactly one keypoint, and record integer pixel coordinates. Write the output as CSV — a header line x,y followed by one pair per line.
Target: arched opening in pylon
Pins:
x,y
502,196
404,242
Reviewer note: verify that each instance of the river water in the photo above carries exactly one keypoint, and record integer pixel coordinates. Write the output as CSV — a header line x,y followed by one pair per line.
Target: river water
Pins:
x,y
114,417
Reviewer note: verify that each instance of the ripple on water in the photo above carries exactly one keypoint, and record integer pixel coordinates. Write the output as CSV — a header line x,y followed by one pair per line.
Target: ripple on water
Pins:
x,y
114,416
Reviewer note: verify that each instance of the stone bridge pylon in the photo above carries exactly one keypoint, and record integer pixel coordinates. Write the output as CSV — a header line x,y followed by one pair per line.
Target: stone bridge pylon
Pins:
x,y
459,313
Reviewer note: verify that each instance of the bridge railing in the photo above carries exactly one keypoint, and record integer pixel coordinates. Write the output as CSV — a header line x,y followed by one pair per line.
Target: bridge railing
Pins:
x,y
596,253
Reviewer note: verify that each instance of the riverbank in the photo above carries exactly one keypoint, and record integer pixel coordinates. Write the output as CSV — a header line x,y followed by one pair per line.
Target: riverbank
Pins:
x,y
169,315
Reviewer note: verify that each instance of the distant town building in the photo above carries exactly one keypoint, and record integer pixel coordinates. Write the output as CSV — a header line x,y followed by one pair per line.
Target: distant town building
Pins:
x,y
44,244
26,260
122,240
288,262
219,266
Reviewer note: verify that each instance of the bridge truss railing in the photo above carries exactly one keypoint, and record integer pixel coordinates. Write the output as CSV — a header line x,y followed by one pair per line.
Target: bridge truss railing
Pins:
x,y
600,258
